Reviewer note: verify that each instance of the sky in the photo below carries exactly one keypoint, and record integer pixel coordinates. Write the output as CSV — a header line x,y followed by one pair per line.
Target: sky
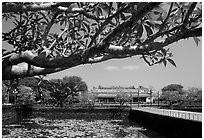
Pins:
x,y
135,72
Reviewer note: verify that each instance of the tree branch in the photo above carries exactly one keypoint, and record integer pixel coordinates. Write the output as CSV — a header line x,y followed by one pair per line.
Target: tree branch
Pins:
x,y
146,49
12,7
104,58
22,70
192,7
115,51
119,29
53,43
167,17
42,61
131,22
101,28
47,29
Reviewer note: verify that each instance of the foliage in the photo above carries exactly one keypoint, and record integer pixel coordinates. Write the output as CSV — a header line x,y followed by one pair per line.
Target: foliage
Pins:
x,y
4,93
25,95
47,37
123,97
10,89
75,83
65,90
29,82
171,97
193,94
172,94
87,99
173,87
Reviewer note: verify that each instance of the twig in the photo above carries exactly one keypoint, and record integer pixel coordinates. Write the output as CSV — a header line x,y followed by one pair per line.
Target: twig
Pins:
x,y
47,29
192,7
163,24
101,28
53,43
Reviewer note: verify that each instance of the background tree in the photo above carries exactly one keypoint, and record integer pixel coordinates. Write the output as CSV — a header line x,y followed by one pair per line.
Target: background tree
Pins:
x,y
29,82
172,94
123,97
58,91
12,90
173,87
47,37
66,89
25,95
87,99
5,94
193,95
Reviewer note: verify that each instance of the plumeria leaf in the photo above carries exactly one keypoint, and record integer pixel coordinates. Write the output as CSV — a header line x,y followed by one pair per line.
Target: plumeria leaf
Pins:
x,y
197,40
172,62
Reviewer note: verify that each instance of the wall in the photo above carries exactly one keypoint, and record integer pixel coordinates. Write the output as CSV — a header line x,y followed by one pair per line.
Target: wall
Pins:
x,y
9,114
168,126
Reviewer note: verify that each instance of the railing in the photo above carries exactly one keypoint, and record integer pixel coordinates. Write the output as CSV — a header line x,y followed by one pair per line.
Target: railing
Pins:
x,y
195,116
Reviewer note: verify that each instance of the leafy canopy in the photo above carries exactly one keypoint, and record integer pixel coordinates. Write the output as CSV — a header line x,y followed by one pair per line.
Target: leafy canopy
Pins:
x,y
47,37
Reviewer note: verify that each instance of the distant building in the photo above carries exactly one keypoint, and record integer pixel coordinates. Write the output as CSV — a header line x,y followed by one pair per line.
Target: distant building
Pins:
x,y
108,94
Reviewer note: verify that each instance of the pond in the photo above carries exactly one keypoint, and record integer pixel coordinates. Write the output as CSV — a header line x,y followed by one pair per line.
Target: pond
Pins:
x,y
72,128
75,125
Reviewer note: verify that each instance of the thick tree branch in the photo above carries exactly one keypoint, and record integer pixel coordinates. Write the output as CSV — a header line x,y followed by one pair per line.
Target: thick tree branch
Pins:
x,y
101,28
22,70
26,63
146,49
117,51
119,29
138,15
12,7
183,35
105,58
42,61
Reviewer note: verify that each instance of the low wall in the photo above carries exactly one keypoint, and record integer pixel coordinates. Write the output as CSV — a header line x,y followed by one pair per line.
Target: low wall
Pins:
x,y
168,126
15,113
66,113
9,114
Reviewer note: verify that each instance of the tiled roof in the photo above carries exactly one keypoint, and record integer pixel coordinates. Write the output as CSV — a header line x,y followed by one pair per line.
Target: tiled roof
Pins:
x,y
112,91
114,95
109,91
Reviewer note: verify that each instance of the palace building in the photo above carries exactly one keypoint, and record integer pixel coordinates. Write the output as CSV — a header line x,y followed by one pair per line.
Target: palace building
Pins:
x,y
108,94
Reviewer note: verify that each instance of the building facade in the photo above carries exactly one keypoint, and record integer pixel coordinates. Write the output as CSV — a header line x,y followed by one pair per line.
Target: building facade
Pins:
x,y
109,94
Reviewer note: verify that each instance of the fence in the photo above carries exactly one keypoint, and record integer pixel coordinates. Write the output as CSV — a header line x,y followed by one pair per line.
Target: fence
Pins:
x,y
195,116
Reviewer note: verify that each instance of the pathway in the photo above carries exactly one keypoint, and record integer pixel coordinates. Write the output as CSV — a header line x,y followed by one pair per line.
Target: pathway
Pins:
x,y
195,116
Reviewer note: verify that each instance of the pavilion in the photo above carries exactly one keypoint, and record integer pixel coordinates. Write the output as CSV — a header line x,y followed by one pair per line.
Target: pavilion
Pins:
x,y
108,94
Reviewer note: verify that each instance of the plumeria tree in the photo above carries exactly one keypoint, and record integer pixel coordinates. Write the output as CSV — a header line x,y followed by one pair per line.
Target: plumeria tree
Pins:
x,y
47,37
